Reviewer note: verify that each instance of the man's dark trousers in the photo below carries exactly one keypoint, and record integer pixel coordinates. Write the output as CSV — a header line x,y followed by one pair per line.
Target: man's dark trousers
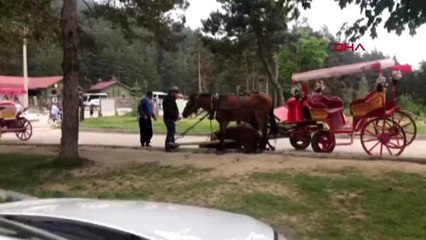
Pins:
x,y
171,130
145,126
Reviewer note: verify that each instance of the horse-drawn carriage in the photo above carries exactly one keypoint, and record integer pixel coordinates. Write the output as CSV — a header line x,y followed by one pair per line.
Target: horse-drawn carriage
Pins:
x,y
315,119
11,120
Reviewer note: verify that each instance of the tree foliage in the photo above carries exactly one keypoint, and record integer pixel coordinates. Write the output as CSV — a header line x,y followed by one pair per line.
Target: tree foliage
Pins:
x,y
307,50
403,14
35,20
152,15
263,22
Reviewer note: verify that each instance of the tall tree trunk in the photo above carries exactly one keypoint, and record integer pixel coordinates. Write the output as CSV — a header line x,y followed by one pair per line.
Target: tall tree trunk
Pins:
x,y
70,67
268,64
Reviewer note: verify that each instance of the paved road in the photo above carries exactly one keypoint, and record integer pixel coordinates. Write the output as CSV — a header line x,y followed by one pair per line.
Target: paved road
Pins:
x,y
44,134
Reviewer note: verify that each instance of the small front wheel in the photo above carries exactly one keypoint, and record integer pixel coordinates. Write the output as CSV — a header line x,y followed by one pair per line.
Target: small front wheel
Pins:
x,y
300,142
323,141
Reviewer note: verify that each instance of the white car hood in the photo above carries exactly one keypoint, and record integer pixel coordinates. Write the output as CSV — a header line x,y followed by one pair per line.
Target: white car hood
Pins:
x,y
147,219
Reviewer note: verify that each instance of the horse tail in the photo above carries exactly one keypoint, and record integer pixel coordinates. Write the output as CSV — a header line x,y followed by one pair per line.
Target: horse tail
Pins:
x,y
273,126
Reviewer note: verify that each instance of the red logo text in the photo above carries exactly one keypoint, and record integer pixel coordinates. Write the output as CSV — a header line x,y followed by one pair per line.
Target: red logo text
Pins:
x,y
343,47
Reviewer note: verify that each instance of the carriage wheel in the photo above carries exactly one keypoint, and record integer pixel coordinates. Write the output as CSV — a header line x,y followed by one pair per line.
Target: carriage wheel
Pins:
x,y
27,132
300,142
383,136
323,141
407,123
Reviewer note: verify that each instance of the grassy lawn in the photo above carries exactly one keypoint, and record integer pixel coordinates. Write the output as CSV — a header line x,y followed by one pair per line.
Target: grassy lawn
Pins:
x,y
421,129
131,123
314,204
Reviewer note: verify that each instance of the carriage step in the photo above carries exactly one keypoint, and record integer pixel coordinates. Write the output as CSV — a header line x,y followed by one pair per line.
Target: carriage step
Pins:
x,y
213,142
6,130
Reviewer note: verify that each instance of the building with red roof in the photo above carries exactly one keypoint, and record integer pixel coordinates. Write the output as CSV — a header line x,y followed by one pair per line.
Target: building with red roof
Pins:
x,y
41,90
114,88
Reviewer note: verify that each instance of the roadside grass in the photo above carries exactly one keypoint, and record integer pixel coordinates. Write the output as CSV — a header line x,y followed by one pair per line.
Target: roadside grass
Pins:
x,y
315,204
131,123
421,129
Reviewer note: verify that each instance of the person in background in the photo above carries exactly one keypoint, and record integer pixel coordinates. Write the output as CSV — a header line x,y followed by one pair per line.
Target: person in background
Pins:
x,y
319,87
54,112
170,116
145,124
91,107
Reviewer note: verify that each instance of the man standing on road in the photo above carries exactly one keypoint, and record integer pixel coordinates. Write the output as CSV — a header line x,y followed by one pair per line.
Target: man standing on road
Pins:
x,y
171,115
145,123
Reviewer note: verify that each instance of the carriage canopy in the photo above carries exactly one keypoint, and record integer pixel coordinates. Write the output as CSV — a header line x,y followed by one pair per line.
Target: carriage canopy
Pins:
x,y
346,70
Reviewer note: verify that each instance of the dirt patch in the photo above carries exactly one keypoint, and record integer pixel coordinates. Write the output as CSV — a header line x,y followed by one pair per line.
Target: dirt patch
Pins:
x,y
226,165
275,189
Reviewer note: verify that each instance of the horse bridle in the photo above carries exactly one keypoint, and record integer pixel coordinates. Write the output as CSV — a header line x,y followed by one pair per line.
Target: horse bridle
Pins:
x,y
213,109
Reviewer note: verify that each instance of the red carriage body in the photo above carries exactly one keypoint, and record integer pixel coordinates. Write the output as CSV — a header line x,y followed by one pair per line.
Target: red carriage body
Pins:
x,y
12,121
317,119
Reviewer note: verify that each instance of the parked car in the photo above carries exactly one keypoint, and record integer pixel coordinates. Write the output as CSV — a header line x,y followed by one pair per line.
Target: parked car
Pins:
x,y
158,98
11,230
136,220
93,99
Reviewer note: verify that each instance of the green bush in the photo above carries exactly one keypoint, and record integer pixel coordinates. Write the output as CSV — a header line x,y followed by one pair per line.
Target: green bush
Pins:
x,y
407,103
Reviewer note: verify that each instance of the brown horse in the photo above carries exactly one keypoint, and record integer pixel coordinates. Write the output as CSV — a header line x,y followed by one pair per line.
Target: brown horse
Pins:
x,y
253,108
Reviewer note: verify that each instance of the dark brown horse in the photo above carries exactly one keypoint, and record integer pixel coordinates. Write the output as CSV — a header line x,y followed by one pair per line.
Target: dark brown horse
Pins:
x,y
253,108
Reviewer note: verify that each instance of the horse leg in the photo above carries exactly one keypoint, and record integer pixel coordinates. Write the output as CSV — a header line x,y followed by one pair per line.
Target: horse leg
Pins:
x,y
272,148
264,136
261,118
222,129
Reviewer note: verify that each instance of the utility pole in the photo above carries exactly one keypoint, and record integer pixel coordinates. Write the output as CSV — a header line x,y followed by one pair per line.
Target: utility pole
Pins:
x,y
253,78
25,72
247,85
199,70
246,65
267,86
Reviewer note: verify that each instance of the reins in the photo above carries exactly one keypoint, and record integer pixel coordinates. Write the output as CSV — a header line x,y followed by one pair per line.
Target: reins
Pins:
x,y
192,126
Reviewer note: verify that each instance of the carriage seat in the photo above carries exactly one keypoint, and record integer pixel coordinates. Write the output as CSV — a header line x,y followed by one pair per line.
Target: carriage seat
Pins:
x,y
374,100
322,106
7,110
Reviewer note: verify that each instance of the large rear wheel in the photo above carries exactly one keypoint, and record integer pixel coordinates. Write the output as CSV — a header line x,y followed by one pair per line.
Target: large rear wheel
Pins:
x,y
323,141
383,136
26,129
407,122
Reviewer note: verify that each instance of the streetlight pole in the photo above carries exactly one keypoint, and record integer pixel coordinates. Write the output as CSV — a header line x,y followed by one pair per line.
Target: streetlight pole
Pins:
x,y
25,72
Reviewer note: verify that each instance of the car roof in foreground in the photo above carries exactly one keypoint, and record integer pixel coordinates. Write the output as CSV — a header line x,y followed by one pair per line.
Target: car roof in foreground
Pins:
x,y
147,219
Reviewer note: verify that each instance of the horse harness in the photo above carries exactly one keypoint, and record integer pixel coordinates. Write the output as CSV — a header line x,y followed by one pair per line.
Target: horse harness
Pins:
x,y
217,104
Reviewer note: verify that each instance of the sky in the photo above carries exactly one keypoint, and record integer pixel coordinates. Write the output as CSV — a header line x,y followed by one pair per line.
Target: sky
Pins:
x,y
407,49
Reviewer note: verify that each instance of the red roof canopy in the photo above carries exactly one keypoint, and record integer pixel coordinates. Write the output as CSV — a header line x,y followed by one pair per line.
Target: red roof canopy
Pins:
x,y
103,85
33,82
403,68
12,90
